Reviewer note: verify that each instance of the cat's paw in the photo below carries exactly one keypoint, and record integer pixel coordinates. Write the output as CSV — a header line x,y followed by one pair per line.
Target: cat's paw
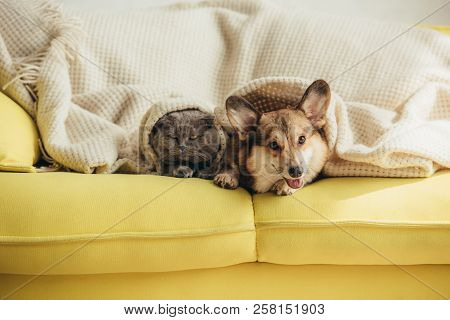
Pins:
x,y
226,181
282,189
183,172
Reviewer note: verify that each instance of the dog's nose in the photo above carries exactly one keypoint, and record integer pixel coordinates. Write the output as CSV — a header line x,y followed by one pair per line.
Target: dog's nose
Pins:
x,y
295,172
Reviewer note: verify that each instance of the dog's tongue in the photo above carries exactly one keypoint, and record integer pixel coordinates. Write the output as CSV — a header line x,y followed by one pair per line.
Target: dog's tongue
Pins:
x,y
294,183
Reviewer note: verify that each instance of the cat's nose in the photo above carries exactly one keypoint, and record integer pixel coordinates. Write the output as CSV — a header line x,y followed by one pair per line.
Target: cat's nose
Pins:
x,y
182,147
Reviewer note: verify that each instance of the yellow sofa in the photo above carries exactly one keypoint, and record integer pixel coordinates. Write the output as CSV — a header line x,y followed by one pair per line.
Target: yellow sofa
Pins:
x,y
73,236
69,235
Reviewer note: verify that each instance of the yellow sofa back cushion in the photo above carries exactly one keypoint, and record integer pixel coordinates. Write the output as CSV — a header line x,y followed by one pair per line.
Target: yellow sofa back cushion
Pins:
x,y
19,148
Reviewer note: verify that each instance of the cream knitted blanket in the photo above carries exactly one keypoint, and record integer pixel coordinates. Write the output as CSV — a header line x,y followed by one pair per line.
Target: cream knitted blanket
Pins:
x,y
96,82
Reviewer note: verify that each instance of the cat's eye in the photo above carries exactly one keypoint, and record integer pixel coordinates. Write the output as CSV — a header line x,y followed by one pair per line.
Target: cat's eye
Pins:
x,y
193,137
274,145
301,140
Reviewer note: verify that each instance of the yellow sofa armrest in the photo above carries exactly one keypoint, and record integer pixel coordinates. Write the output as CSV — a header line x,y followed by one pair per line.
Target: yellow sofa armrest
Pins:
x,y
19,147
443,29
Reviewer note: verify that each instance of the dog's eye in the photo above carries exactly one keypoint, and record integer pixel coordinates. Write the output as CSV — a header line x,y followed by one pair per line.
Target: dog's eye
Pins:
x,y
301,140
274,145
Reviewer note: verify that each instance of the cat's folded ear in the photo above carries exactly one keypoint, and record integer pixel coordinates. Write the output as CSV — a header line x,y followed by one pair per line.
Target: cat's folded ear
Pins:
x,y
243,117
315,102
164,122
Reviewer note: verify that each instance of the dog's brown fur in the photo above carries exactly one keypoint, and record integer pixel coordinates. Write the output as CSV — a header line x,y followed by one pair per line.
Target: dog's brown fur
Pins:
x,y
266,146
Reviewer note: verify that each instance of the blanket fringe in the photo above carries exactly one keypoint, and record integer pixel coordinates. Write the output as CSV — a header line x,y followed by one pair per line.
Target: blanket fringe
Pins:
x,y
28,69
63,33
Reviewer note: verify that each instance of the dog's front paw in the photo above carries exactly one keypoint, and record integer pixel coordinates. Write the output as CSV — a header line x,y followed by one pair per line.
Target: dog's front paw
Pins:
x,y
226,181
183,172
282,189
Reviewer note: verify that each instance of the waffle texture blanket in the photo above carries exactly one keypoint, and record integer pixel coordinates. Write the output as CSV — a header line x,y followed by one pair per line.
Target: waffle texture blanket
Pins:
x,y
97,82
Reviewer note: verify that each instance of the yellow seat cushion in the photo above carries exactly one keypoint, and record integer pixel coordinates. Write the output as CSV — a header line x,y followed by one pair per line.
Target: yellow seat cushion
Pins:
x,y
19,148
363,221
69,223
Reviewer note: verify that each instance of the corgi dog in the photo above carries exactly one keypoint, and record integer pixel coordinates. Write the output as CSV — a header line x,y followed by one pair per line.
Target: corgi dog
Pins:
x,y
279,151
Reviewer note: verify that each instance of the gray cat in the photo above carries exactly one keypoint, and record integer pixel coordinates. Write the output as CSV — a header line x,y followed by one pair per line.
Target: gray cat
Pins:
x,y
186,143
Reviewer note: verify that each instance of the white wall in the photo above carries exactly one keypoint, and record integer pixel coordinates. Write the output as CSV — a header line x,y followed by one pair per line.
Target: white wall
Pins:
x,y
408,11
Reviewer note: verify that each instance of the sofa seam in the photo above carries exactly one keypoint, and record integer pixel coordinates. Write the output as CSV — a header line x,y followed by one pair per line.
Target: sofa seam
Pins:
x,y
17,168
281,225
18,240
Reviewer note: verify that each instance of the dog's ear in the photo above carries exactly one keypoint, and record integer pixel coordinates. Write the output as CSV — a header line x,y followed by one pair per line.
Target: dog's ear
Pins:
x,y
315,102
243,117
